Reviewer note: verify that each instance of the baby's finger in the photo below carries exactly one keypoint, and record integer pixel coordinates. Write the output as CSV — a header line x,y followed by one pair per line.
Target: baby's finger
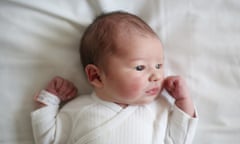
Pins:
x,y
66,88
58,82
69,88
168,84
72,94
51,87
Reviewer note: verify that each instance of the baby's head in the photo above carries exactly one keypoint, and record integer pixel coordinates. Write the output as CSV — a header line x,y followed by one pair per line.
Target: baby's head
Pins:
x,y
104,35
123,58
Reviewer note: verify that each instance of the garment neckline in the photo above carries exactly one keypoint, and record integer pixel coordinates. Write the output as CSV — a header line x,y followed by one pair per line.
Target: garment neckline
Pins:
x,y
115,107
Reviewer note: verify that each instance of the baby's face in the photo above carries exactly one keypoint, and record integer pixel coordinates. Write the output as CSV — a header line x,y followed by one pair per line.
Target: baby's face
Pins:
x,y
134,74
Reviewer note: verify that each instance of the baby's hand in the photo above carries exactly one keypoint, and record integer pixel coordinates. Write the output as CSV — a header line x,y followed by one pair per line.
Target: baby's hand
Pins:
x,y
62,88
177,88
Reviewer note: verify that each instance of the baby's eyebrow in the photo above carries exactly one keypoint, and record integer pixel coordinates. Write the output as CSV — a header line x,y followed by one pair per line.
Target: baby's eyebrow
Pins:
x,y
137,59
160,59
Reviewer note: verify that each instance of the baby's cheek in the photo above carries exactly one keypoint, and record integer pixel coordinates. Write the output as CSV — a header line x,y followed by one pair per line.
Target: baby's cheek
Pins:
x,y
134,89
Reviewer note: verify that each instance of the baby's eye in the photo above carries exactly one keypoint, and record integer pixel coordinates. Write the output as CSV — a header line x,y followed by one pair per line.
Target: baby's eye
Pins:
x,y
158,66
140,67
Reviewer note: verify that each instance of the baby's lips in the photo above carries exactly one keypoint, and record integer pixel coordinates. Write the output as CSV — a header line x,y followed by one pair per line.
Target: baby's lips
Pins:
x,y
153,91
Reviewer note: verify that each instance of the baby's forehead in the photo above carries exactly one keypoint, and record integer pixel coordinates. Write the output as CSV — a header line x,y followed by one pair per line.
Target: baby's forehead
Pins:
x,y
138,44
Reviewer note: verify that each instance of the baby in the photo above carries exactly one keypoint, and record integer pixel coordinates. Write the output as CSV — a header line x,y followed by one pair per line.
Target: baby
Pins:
x,y
123,61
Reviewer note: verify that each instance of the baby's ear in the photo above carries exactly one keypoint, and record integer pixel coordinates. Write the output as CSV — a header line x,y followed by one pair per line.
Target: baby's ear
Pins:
x,y
93,75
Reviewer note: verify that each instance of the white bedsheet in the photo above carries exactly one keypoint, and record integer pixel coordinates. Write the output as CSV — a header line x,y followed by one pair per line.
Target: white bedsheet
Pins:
x,y
40,39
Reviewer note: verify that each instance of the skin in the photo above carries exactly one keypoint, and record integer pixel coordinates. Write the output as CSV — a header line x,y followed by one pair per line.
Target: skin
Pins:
x,y
133,75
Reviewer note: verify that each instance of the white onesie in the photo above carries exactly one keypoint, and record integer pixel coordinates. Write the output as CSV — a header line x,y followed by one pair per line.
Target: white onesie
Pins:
x,y
90,120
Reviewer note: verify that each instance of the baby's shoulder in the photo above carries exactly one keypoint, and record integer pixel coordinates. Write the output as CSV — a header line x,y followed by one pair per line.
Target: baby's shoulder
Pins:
x,y
79,103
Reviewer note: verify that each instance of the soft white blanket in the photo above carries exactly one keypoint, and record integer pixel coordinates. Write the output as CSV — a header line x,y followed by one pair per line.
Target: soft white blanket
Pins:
x,y
40,39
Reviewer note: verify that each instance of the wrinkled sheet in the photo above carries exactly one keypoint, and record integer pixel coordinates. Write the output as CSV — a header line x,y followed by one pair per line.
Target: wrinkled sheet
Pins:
x,y
40,39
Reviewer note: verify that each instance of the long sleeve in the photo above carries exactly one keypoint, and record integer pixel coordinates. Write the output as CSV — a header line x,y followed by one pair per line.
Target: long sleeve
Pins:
x,y
44,124
181,127
50,126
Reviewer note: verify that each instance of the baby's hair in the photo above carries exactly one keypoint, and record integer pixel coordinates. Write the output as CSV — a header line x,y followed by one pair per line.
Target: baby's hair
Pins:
x,y
100,37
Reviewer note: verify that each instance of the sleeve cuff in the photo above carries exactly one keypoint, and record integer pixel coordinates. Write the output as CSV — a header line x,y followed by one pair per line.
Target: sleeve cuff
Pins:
x,y
182,118
182,125
47,98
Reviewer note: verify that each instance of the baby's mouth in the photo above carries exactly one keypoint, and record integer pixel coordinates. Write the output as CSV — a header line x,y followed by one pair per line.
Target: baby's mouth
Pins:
x,y
153,91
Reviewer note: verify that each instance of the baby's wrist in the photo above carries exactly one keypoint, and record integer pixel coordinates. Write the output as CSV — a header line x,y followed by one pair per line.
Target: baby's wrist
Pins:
x,y
186,105
47,98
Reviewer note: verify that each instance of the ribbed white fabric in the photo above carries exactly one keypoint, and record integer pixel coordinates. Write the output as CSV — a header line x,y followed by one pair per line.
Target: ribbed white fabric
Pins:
x,y
89,120
47,99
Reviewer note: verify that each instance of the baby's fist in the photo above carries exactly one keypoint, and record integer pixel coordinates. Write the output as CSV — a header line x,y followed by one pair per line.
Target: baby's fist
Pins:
x,y
176,86
62,88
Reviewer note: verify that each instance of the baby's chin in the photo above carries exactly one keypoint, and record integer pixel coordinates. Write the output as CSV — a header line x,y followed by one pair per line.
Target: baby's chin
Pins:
x,y
146,101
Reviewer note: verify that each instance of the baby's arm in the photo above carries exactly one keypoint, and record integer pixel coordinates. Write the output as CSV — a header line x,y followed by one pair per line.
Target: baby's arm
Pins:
x,y
183,119
177,88
48,124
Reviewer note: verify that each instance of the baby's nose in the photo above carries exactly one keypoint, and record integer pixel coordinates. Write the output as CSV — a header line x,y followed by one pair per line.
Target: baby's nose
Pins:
x,y
156,76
